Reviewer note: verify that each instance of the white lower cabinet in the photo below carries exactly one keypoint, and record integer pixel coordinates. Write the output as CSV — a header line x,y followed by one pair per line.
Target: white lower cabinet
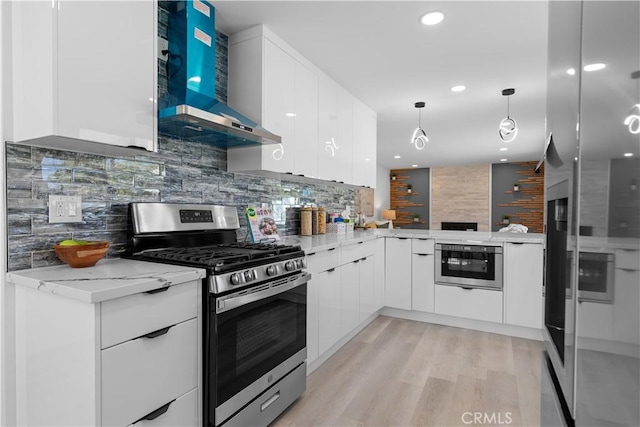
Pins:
x,y
422,275
626,294
144,374
349,297
523,284
379,271
368,297
313,321
479,304
118,362
397,292
329,331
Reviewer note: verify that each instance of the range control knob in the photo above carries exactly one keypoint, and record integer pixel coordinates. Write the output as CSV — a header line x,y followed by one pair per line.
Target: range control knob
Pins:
x,y
289,266
235,279
248,276
272,270
298,263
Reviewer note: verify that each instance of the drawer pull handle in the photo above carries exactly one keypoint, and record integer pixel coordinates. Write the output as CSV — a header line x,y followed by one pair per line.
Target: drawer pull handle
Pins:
x,y
332,249
155,414
466,288
402,238
268,403
422,254
331,270
312,253
157,333
360,243
356,261
363,259
628,269
157,291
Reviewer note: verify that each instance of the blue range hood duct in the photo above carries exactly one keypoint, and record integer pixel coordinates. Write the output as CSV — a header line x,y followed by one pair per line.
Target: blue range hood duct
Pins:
x,y
190,109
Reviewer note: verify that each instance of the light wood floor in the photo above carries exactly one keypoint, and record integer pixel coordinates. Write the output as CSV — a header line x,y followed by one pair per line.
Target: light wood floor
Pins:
x,y
404,373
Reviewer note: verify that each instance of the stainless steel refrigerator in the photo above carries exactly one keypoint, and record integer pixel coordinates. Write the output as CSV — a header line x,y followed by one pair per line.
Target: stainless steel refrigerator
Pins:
x,y
591,368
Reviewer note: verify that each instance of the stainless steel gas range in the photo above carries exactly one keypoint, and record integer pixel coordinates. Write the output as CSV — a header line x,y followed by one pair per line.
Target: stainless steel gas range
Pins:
x,y
254,307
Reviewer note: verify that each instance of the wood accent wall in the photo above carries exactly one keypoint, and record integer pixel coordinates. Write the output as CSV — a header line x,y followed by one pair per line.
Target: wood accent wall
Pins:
x,y
406,204
460,194
525,206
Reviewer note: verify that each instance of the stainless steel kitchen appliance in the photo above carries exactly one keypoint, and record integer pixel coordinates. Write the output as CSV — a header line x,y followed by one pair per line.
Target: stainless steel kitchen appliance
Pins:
x,y
254,307
469,265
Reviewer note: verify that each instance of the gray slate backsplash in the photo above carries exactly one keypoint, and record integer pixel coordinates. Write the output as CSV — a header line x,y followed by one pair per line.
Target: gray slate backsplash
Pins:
x,y
184,172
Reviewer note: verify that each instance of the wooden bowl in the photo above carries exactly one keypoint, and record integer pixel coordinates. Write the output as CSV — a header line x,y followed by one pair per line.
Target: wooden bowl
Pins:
x,y
78,256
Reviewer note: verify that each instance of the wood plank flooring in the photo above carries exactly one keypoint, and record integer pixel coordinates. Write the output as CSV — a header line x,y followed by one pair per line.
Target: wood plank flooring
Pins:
x,y
400,372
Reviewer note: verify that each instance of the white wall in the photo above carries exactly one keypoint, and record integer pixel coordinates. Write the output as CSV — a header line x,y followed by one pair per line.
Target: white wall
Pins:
x,y
381,199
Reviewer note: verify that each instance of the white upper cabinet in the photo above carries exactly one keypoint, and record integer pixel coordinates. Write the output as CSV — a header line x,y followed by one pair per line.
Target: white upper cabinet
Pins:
x,y
364,145
278,108
279,89
329,143
77,79
306,121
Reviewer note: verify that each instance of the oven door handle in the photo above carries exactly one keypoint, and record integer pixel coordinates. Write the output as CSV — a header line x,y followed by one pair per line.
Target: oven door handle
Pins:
x,y
243,298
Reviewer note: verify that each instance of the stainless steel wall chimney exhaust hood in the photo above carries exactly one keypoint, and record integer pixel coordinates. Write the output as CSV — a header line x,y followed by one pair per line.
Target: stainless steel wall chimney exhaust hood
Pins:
x,y
189,108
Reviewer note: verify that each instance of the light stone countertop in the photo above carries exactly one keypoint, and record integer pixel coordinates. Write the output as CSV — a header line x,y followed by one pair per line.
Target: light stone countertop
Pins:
x,y
108,279
332,240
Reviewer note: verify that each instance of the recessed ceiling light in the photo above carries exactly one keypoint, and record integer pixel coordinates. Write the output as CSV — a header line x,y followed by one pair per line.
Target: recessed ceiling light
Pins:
x,y
367,159
628,154
594,67
432,18
571,71
503,160
458,88
414,166
290,114
396,157
503,149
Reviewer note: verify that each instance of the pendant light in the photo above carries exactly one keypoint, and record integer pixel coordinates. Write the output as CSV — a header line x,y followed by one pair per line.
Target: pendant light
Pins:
x,y
419,137
508,127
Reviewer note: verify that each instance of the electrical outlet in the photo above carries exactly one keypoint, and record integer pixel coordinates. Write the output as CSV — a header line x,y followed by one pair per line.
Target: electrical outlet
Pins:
x,y
163,45
65,209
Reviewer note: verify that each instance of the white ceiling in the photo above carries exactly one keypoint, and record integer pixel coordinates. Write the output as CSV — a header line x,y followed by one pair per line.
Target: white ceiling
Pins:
x,y
379,51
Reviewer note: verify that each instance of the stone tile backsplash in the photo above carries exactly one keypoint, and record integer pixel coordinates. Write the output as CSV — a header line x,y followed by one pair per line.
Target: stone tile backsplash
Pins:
x,y
182,171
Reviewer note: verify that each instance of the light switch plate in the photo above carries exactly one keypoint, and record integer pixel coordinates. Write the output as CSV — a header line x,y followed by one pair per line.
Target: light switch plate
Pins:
x,y
65,209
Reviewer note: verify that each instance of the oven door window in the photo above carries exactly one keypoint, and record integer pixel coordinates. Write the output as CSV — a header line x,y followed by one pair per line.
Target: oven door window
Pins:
x,y
255,338
471,265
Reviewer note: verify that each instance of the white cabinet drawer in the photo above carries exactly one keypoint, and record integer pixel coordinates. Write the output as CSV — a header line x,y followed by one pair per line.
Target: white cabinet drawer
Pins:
x,y
357,250
135,315
141,375
181,412
627,260
422,246
323,260
480,304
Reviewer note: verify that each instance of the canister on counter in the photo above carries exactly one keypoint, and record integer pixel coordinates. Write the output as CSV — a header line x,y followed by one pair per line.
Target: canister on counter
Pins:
x,y
314,221
305,222
322,220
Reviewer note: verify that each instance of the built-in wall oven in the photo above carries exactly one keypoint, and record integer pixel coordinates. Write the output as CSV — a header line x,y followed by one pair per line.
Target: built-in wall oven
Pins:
x,y
469,265
595,277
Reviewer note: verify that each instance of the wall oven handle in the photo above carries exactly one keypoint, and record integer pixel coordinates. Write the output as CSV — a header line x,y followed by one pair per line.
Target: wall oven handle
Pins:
x,y
269,401
241,298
